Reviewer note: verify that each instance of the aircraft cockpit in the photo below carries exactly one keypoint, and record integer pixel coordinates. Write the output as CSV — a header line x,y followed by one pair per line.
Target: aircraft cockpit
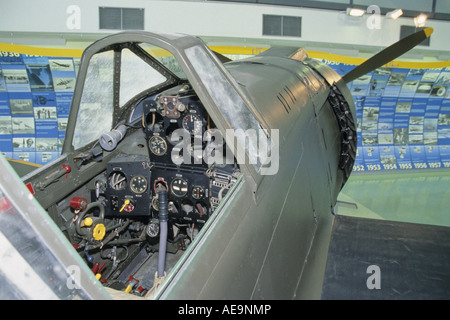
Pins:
x,y
151,166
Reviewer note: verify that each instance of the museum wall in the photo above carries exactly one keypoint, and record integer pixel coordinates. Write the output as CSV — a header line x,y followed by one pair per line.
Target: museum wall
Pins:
x,y
403,109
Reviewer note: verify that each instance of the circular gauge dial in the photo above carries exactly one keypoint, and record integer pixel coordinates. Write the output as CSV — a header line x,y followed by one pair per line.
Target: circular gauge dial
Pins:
x,y
198,193
152,230
157,145
179,187
193,124
138,184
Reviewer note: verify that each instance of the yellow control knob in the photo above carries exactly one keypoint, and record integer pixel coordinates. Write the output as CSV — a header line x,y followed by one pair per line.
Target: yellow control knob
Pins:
x,y
126,202
87,222
99,232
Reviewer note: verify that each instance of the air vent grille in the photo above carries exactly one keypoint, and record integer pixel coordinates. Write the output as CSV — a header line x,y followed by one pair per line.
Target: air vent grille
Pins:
x,y
121,18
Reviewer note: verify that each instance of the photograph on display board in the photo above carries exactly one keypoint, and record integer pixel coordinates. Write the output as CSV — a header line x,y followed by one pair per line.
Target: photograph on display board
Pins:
x,y
16,78
376,87
401,136
5,125
444,119
40,77
61,65
64,84
24,143
424,88
396,79
361,85
2,81
46,144
386,138
370,113
430,138
21,105
45,113
409,87
403,107
23,125
438,91
395,82
378,82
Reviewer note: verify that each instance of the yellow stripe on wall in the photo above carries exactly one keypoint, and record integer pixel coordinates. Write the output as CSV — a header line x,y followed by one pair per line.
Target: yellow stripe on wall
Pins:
x,y
392,64
238,50
48,52
76,53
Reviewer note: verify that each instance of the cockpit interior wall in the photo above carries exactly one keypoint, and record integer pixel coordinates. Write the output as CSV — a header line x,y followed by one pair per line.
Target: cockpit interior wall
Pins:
x,y
403,113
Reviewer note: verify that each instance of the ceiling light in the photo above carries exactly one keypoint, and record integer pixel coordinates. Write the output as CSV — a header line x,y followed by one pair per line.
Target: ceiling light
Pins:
x,y
354,12
420,20
394,14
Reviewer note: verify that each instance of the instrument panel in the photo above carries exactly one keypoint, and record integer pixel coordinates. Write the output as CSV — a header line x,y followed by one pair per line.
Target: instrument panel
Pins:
x,y
170,119
175,123
188,193
127,187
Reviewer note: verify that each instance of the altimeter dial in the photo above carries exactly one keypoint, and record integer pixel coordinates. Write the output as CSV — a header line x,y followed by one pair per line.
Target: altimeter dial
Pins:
x,y
157,145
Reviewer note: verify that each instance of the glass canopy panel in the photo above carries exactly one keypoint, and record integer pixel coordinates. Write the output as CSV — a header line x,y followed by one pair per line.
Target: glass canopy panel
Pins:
x,y
136,76
165,58
95,114
246,127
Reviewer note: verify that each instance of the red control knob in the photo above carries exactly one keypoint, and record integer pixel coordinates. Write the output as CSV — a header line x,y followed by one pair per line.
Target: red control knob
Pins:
x,y
78,203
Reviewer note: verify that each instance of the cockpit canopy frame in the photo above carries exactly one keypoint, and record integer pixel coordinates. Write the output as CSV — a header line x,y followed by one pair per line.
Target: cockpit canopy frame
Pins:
x,y
189,59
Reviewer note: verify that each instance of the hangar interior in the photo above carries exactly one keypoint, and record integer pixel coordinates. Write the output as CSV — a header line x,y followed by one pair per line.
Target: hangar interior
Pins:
x,y
403,109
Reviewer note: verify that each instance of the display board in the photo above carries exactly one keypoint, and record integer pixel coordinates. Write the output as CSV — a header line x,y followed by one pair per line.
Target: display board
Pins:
x,y
35,97
403,118
403,114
